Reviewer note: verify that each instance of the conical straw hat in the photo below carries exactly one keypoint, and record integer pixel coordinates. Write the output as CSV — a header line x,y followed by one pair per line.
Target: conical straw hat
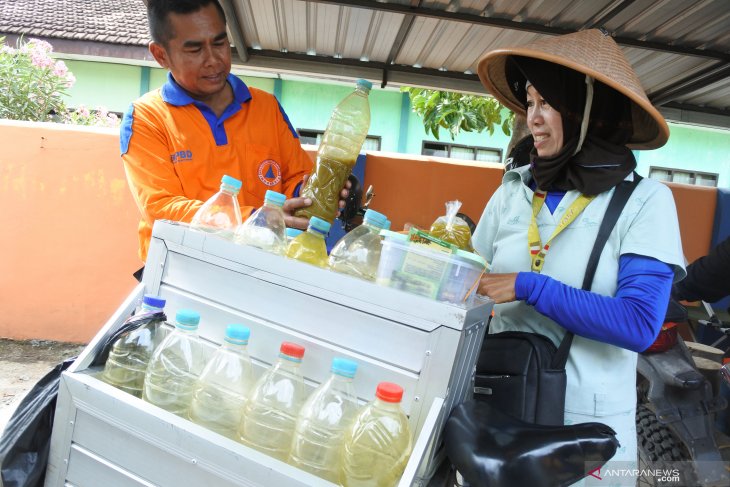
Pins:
x,y
589,52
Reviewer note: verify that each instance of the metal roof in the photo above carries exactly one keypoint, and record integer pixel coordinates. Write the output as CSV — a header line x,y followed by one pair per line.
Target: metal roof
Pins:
x,y
679,48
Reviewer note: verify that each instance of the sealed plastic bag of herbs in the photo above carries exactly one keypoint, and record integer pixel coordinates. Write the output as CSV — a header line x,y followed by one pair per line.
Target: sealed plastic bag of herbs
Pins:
x,y
452,228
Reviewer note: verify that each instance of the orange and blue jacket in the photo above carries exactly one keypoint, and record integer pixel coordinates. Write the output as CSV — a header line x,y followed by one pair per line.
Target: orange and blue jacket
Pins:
x,y
175,151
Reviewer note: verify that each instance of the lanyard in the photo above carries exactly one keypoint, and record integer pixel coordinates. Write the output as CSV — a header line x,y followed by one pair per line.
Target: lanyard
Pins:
x,y
537,249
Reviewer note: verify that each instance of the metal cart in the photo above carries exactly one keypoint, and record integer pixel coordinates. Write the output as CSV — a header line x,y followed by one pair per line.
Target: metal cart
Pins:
x,y
105,437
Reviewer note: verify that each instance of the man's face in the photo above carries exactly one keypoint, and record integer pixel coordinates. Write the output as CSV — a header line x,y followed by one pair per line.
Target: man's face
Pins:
x,y
198,55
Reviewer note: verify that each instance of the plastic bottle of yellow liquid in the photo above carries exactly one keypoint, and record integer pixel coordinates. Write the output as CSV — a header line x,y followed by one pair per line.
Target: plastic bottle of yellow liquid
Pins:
x,y
378,445
222,389
359,263
221,214
271,412
175,366
265,228
130,354
322,422
337,153
291,234
310,246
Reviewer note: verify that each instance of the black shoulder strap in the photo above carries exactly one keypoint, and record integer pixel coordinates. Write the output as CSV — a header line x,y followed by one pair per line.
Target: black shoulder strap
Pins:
x,y
613,211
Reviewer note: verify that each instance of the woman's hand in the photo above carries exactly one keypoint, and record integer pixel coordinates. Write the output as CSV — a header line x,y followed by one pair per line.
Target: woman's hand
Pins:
x,y
499,287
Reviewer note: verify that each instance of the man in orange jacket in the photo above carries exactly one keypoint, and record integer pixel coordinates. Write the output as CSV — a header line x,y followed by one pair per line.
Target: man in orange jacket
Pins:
x,y
178,141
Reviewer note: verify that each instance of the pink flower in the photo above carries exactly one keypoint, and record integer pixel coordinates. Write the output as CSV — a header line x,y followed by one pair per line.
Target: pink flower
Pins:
x,y
39,46
70,79
60,69
82,111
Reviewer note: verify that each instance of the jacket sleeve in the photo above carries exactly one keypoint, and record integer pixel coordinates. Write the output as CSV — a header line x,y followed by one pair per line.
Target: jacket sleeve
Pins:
x,y
150,172
708,278
297,162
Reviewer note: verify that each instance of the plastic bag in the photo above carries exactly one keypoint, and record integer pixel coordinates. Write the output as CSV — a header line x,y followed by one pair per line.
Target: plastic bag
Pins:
x,y
132,323
452,228
26,442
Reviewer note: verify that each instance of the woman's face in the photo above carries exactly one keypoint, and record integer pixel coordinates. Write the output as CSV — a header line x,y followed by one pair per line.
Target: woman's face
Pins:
x,y
545,124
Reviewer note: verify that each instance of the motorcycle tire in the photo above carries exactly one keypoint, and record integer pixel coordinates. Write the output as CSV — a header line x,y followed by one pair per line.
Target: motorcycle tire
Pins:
x,y
660,450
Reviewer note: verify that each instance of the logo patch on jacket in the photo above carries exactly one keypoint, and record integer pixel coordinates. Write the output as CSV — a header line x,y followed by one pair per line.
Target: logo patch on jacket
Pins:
x,y
270,172
181,156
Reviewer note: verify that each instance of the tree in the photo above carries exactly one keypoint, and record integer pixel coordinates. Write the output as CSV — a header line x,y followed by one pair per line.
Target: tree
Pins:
x,y
457,111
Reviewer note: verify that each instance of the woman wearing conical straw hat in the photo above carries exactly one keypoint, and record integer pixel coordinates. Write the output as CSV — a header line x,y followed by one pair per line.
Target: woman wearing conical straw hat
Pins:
x,y
586,110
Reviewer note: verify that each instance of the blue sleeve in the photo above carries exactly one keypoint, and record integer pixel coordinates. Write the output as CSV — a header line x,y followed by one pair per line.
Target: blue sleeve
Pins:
x,y
632,319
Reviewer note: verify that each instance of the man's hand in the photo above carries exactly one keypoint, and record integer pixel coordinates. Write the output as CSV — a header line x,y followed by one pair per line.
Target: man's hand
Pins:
x,y
499,287
290,207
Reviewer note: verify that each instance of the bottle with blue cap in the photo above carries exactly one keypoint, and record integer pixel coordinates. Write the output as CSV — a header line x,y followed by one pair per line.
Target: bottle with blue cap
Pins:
x,y
222,389
310,246
291,233
265,228
130,353
276,398
358,252
221,214
337,154
326,415
175,366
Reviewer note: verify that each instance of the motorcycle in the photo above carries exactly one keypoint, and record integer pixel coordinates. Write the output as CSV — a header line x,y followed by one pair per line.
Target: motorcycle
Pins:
x,y
675,413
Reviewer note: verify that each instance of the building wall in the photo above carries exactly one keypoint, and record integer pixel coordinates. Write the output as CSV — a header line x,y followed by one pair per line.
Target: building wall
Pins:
x,y
309,105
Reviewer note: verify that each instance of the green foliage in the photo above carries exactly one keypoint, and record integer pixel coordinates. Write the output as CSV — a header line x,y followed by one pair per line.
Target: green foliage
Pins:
x,y
34,87
457,111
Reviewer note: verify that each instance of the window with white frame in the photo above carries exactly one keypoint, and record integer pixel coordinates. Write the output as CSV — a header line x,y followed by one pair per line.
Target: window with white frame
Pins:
x,y
456,151
682,176
314,137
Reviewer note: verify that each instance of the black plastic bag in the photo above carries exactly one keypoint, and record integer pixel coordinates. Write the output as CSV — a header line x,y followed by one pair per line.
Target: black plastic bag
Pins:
x,y
131,324
25,444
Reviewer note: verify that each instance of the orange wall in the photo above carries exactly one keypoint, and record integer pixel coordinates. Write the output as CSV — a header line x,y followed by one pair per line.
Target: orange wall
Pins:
x,y
69,225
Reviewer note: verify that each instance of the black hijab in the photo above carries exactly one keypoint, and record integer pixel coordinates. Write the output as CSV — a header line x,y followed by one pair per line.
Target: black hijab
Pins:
x,y
603,160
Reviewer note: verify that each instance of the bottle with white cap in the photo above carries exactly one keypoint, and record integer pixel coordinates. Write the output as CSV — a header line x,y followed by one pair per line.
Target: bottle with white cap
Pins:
x,y
222,389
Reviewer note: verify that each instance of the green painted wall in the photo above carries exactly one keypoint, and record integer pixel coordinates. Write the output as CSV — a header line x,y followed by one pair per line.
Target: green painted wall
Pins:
x,y
699,148
309,105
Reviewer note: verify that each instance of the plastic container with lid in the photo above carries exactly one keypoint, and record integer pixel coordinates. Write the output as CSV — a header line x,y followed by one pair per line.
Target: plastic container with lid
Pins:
x,y
419,270
378,445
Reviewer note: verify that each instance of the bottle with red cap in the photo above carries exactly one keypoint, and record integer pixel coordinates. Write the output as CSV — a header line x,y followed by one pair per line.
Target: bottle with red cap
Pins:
x,y
378,445
270,414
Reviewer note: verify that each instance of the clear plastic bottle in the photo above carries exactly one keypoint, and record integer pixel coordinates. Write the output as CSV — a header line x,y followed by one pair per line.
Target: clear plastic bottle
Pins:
x,y
378,445
175,366
130,354
358,252
221,214
322,422
291,233
310,246
223,388
265,228
337,153
271,412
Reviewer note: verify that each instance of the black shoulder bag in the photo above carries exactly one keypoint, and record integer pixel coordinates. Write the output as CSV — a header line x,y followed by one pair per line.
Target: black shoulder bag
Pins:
x,y
522,373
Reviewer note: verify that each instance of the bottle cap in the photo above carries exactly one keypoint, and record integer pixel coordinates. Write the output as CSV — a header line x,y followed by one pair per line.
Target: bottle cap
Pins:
x,y
319,225
237,334
363,83
391,235
344,367
292,232
187,319
389,392
153,301
292,351
276,198
375,218
233,182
